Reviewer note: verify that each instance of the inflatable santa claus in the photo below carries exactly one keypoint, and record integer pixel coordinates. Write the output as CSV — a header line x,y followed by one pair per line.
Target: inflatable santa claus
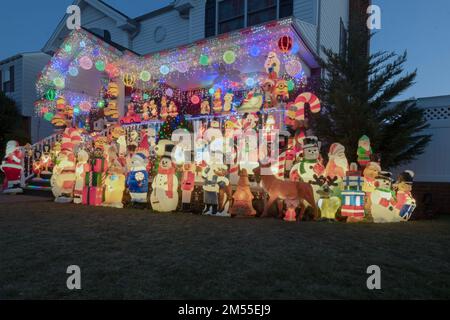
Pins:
x,y
12,167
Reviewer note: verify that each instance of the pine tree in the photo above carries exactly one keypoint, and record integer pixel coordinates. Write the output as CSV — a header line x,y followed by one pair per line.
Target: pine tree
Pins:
x,y
11,125
356,94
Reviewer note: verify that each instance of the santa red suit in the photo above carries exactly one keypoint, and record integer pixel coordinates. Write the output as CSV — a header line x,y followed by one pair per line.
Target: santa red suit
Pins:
x,y
12,166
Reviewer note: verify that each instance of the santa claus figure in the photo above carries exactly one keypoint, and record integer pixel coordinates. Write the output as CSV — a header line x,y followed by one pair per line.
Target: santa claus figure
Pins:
x,y
337,164
12,168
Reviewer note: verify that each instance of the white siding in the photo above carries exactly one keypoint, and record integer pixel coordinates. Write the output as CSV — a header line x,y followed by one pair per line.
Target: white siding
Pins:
x,y
432,166
306,10
105,23
197,21
331,13
177,33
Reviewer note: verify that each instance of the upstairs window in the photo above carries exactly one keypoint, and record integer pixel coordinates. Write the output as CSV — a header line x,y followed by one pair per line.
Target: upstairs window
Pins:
x,y
223,16
8,80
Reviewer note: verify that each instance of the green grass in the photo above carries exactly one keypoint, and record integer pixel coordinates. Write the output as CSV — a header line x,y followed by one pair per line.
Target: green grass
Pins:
x,y
125,253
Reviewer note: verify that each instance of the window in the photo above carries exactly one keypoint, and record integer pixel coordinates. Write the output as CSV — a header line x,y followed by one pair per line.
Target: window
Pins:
x,y
223,16
210,18
231,15
8,84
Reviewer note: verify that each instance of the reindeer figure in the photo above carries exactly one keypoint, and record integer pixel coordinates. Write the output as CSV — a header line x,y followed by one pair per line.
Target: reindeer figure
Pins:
x,y
283,189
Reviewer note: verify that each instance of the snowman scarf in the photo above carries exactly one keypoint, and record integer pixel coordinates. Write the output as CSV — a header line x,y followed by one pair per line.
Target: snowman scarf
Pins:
x,y
170,172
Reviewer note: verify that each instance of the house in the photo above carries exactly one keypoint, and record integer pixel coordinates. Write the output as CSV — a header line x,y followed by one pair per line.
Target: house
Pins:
x,y
18,81
321,22
432,176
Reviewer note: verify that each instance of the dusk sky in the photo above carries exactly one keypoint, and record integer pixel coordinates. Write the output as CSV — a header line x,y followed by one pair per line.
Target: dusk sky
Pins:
x,y
420,27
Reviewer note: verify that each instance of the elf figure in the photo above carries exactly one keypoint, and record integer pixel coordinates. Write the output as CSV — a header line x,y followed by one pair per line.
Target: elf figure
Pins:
x,y
164,196
187,185
364,151
310,169
383,200
213,181
12,168
405,202
137,178
242,197
82,167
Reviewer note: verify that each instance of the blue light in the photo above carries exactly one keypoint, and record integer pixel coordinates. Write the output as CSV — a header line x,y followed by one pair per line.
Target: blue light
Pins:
x,y
295,48
250,82
255,51
73,71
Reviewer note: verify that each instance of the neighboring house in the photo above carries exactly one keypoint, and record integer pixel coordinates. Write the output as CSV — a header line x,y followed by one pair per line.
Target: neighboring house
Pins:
x,y
18,76
320,22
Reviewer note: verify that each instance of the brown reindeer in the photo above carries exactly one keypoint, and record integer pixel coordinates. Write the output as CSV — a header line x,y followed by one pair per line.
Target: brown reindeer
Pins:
x,y
284,189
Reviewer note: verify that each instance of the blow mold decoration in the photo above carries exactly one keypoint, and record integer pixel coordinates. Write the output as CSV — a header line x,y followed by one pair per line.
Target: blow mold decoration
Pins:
x,y
406,203
328,204
353,196
296,110
242,197
164,197
11,166
137,178
364,151
383,200
115,180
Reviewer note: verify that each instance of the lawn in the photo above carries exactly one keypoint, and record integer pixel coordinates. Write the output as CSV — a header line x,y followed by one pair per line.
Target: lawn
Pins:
x,y
130,253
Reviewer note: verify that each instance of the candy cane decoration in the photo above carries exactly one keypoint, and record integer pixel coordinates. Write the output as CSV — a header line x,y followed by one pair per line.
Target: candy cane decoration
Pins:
x,y
297,109
278,167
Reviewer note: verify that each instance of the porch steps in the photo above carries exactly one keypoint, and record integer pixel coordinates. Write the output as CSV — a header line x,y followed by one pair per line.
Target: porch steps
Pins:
x,y
39,186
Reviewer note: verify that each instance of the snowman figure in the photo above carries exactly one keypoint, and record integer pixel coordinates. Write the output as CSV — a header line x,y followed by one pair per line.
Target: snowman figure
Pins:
x,y
310,169
164,197
383,200
137,178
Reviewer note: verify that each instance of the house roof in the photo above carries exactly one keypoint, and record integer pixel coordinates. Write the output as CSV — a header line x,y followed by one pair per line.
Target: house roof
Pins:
x,y
18,56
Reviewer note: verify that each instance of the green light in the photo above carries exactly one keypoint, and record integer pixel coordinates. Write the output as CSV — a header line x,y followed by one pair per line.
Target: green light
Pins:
x,y
68,48
145,76
50,94
290,85
100,65
48,116
229,57
204,60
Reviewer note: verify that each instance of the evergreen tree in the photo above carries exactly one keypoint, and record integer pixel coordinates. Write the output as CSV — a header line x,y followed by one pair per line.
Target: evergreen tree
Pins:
x,y
356,94
11,125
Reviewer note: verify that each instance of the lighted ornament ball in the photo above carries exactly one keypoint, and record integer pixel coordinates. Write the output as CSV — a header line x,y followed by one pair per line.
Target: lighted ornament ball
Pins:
x,y
255,51
229,57
285,43
169,92
73,71
59,82
112,70
195,99
67,48
85,106
203,60
146,96
101,103
145,75
164,69
85,63
50,94
211,91
290,85
48,116
250,82
76,110
82,44
293,67
100,65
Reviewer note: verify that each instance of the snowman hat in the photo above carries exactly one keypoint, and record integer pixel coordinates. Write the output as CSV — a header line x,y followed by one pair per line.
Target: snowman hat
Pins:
x,y
406,176
384,175
168,148
141,155
310,142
